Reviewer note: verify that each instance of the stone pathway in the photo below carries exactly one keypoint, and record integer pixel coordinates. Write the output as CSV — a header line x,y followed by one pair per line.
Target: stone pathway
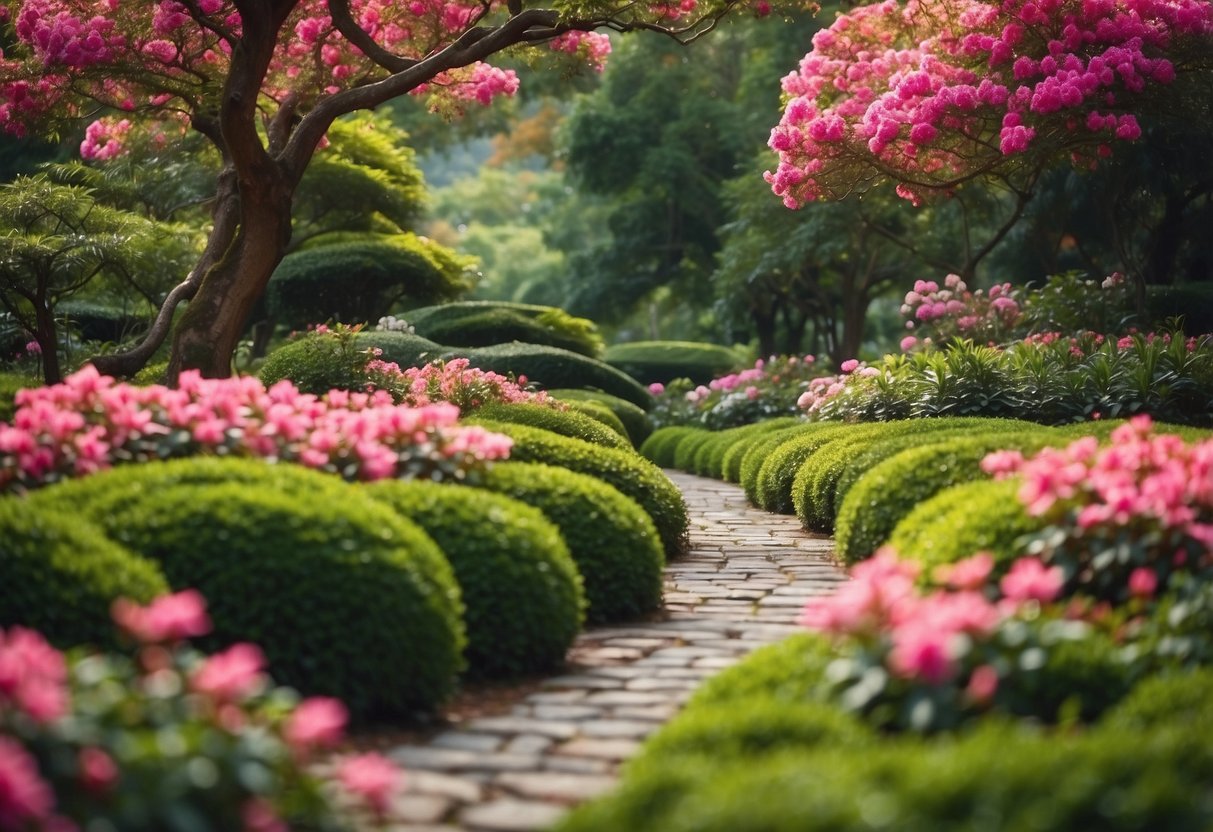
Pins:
x,y
741,585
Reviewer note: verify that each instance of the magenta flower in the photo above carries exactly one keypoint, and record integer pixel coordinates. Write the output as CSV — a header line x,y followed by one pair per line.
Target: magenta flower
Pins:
x,y
98,772
1030,580
318,722
983,684
168,618
232,675
372,778
33,675
970,573
26,799
922,652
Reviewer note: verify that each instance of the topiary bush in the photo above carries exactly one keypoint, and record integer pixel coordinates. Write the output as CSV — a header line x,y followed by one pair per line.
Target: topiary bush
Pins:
x,y
346,598
662,361
634,418
478,323
318,363
887,493
759,450
734,456
563,422
709,458
685,450
663,443
985,515
60,574
774,476
522,593
611,539
553,367
629,472
603,414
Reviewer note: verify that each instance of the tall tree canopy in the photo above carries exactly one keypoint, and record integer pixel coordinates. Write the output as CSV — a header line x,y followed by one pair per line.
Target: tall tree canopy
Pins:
x,y
263,81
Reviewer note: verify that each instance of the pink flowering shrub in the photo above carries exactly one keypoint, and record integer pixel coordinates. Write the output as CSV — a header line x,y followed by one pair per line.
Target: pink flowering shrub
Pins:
x,y
455,382
956,312
1124,517
134,741
91,422
766,390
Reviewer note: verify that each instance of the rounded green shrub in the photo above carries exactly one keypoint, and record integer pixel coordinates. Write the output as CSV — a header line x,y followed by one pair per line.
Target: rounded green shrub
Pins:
x,y
60,574
482,323
984,515
402,348
685,450
601,413
887,492
346,598
758,451
734,455
634,418
522,593
317,364
611,539
1174,698
563,422
709,459
774,475
663,361
629,472
662,444
553,367
10,383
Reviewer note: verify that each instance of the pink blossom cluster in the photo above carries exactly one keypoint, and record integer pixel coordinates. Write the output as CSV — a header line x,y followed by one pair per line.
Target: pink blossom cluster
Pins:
x,y
91,422
930,636
225,686
103,139
594,47
66,34
455,382
954,310
933,91
824,389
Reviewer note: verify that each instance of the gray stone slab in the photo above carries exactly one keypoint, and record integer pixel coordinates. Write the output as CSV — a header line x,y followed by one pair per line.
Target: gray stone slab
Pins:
x,y
510,815
558,786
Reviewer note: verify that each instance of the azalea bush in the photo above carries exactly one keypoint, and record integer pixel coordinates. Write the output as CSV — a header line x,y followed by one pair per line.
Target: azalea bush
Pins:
x,y
91,422
165,737
956,312
767,390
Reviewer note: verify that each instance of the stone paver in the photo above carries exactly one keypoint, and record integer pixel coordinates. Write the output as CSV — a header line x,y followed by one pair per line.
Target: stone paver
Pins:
x,y
741,584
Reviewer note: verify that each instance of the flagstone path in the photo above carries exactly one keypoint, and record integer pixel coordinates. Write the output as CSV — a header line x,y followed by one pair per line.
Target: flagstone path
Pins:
x,y
741,585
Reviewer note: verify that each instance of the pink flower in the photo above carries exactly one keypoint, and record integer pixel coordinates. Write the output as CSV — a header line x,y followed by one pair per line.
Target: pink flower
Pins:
x,y
1030,580
1002,464
316,722
372,778
656,388
1143,582
33,675
970,573
848,366
168,618
259,815
26,799
922,652
231,675
908,343
983,684
98,772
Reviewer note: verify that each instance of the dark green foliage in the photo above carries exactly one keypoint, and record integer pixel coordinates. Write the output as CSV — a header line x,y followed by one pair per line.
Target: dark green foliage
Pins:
x,y
762,447
345,598
735,454
601,413
709,458
60,574
684,452
99,322
631,473
399,347
10,383
564,422
522,595
634,418
985,515
663,443
319,363
482,323
662,361
610,537
773,479
1193,302
787,670
553,367
1172,698
357,282
890,490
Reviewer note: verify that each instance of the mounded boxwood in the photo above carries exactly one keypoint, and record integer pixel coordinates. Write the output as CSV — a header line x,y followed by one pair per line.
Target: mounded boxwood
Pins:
x,y
985,515
60,574
662,443
776,471
735,455
522,594
634,418
709,459
631,473
758,452
563,422
663,361
476,323
685,450
887,492
553,367
319,364
611,539
345,597
603,414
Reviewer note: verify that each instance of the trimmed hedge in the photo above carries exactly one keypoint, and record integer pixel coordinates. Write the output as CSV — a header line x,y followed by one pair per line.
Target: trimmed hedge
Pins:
x,y
629,472
774,476
663,361
402,348
553,367
601,413
734,456
662,443
346,598
685,450
890,490
761,448
610,537
482,323
709,459
635,420
10,383
60,574
563,422
985,515
319,364
522,593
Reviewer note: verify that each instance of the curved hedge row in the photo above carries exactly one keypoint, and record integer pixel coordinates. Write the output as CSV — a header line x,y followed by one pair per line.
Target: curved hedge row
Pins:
x,y
734,456
635,420
629,472
553,367
611,538
687,448
709,459
483,323
603,414
564,422
662,444
346,598
891,489
521,591
60,574
775,473
663,361
319,364
760,449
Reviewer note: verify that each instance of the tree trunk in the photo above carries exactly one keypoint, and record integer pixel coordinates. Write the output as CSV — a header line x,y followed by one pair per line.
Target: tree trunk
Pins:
x,y
854,315
44,334
764,328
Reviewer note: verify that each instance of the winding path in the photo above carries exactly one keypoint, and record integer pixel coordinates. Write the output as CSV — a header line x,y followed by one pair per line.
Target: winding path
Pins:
x,y
741,584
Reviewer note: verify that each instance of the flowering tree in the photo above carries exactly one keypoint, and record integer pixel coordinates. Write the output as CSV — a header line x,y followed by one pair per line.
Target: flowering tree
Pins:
x,y
933,94
263,80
